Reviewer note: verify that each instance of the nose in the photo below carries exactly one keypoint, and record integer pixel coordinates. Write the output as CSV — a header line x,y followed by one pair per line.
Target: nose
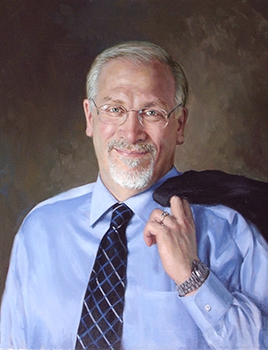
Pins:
x,y
132,130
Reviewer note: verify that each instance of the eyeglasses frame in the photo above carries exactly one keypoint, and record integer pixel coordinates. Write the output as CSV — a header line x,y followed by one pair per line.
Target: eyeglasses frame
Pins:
x,y
133,110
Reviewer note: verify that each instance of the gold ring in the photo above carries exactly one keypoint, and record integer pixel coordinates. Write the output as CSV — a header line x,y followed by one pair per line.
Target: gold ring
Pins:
x,y
163,215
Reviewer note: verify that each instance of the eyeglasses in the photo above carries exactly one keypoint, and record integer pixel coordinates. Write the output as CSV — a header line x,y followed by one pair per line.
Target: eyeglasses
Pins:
x,y
149,117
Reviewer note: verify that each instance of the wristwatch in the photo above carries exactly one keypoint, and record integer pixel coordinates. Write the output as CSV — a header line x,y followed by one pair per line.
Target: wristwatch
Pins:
x,y
199,274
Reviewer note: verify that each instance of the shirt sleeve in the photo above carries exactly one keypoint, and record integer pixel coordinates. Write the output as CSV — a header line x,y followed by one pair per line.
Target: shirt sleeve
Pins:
x,y
12,331
232,312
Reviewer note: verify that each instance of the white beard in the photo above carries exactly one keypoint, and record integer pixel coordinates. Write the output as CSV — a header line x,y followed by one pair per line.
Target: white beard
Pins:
x,y
137,176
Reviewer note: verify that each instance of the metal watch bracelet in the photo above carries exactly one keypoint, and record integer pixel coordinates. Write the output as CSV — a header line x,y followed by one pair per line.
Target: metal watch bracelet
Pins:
x,y
199,274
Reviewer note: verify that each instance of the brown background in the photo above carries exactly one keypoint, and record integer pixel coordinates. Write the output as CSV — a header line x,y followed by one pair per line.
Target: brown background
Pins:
x,y
46,50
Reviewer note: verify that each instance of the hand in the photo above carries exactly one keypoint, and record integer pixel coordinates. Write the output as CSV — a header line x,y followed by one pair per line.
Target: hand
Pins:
x,y
175,238
247,196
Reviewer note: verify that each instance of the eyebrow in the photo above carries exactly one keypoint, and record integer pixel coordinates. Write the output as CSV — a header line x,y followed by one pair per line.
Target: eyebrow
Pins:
x,y
156,102
109,99
152,103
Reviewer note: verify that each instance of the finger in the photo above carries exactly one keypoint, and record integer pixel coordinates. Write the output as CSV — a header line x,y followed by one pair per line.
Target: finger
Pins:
x,y
181,211
177,208
158,216
163,217
149,233
149,240
180,208
154,232
187,208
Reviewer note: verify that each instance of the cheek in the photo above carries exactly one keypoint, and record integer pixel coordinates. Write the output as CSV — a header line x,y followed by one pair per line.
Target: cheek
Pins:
x,y
102,135
166,146
164,142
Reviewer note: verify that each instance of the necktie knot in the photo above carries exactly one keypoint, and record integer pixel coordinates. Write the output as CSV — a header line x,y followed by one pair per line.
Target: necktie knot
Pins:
x,y
121,215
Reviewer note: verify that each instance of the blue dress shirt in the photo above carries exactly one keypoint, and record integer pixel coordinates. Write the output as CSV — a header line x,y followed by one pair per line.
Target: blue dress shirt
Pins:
x,y
54,252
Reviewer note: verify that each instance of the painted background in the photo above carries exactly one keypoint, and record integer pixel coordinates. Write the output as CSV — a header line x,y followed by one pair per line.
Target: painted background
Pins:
x,y
46,50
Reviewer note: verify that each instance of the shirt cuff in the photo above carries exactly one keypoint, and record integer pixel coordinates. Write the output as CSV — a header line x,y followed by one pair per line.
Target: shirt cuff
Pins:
x,y
209,303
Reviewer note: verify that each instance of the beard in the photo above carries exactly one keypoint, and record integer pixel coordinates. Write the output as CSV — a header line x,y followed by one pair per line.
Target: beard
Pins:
x,y
139,171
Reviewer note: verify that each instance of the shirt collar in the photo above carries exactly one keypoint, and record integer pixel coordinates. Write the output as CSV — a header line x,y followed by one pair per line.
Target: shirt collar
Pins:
x,y
102,199
143,203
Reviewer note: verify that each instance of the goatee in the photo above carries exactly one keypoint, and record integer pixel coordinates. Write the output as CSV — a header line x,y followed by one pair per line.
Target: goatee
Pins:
x,y
138,174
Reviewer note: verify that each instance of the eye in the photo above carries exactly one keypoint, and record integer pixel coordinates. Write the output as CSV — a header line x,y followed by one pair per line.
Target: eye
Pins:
x,y
153,114
115,111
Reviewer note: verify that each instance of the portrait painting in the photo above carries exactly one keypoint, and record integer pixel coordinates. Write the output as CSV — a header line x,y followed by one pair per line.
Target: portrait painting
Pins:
x,y
47,48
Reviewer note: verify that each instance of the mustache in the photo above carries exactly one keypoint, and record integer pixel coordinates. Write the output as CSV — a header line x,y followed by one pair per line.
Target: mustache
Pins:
x,y
123,145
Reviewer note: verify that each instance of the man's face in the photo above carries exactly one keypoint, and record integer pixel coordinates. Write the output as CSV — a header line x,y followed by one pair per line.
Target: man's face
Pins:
x,y
131,156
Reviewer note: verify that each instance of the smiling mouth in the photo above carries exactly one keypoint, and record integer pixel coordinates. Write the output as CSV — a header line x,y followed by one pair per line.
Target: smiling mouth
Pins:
x,y
137,150
131,153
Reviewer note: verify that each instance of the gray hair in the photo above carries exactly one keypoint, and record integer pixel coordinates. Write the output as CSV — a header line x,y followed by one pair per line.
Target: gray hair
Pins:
x,y
139,52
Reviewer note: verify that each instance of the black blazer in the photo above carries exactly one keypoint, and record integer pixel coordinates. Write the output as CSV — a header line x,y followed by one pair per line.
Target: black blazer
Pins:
x,y
248,197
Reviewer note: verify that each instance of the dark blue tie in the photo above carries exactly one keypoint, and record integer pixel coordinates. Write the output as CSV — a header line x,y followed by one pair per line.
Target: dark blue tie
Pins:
x,y
101,322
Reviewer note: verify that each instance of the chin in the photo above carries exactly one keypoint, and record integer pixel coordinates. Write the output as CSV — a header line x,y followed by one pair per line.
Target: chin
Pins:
x,y
132,177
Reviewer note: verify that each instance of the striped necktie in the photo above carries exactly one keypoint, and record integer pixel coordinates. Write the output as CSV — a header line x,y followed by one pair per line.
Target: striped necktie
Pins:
x,y
101,321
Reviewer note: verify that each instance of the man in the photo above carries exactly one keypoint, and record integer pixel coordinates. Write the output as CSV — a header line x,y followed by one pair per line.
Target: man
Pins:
x,y
196,276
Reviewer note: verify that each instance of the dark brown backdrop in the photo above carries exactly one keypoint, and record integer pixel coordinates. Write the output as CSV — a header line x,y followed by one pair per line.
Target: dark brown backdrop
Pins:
x,y
46,50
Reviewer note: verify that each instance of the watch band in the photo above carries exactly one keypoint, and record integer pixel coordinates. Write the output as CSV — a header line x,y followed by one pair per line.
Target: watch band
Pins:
x,y
199,274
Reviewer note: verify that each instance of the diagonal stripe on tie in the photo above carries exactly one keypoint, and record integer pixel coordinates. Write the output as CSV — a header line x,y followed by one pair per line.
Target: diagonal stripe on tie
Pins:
x,y
101,321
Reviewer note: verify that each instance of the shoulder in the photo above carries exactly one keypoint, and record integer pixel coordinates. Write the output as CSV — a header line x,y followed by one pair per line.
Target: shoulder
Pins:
x,y
214,212
61,205
71,194
222,220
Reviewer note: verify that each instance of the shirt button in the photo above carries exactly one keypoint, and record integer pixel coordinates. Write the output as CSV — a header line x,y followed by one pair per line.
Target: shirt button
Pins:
x,y
207,308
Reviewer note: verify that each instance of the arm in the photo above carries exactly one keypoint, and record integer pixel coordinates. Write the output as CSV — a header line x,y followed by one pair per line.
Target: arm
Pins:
x,y
229,315
227,320
12,320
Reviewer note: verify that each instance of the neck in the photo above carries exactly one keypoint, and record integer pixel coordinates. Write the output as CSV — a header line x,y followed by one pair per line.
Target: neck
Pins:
x,y
121,194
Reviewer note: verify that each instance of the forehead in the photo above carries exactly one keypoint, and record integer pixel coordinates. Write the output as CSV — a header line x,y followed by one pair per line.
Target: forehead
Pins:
x,y
124,75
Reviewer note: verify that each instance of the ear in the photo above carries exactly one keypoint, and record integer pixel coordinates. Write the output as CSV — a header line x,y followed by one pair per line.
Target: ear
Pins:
x,y
181,125
88,116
